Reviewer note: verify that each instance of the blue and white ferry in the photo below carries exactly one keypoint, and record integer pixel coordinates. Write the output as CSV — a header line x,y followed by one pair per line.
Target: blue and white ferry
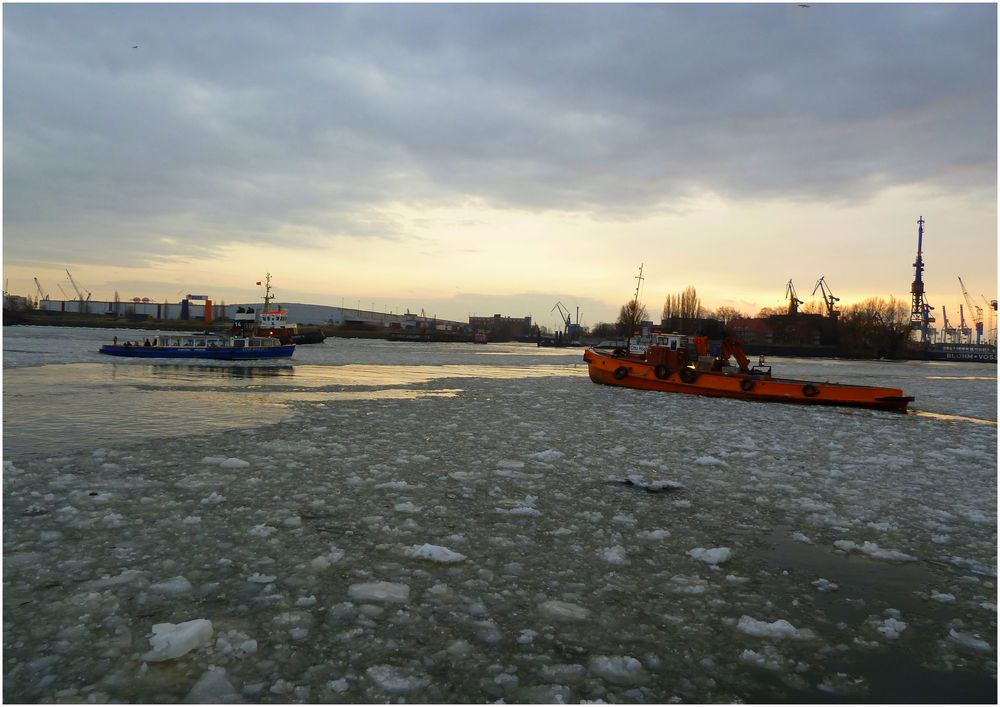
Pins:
x,y
229,348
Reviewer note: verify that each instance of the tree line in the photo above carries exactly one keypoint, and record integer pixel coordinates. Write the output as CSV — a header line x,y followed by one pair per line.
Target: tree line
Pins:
x,y
873,327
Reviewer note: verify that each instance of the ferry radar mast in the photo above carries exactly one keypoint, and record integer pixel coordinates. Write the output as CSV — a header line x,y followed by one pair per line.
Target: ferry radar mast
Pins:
x,y
267,292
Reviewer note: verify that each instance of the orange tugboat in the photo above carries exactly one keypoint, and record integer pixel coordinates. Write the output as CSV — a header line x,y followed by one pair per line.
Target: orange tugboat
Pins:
x,y
676,363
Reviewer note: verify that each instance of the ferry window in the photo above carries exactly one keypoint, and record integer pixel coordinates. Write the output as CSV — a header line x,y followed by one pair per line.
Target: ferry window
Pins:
x,y
238,343
673,344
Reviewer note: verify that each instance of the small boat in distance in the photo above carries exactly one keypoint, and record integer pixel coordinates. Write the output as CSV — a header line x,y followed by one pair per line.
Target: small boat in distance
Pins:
x,y
227,348
676,363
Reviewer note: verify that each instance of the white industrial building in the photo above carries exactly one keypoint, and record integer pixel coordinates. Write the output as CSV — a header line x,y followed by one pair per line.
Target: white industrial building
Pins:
x,y
297,313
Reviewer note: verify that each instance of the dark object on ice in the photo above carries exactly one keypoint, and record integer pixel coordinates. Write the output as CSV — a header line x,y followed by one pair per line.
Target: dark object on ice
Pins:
x,y
658,486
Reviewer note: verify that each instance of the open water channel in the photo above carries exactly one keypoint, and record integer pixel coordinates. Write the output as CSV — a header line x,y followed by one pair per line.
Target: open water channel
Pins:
x,y
403,522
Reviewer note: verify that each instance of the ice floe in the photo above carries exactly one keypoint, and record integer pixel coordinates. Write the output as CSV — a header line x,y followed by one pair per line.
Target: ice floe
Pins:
x,y
390,592
711,556
434,553
171,641
778,629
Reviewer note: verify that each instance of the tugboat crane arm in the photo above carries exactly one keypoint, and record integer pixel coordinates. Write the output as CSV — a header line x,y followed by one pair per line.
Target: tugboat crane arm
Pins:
x,y
732,346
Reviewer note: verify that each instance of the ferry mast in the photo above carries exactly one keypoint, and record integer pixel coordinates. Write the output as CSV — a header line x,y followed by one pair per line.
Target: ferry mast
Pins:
x,y
267,292
920,312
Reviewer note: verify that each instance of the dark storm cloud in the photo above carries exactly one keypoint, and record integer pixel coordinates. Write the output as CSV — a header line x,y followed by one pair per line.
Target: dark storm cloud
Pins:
x,y
286,122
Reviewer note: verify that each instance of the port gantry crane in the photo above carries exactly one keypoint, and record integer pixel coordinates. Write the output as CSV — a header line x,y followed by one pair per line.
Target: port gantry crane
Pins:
x,y
793,300
991,307
948,330
920,312
964,332
827,294
975,312
564,316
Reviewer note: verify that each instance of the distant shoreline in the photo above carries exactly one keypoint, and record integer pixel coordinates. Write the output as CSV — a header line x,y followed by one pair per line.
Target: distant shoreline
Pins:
x,y
333,331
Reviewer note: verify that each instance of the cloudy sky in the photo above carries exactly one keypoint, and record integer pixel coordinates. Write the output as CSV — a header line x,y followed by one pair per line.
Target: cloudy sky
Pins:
x,y
500,158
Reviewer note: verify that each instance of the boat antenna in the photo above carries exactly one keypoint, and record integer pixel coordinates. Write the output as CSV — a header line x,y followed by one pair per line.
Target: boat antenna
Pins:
x,y
267,292
631,319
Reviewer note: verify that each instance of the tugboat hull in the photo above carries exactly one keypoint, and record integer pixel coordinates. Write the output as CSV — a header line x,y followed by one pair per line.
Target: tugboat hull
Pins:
x,y
631,372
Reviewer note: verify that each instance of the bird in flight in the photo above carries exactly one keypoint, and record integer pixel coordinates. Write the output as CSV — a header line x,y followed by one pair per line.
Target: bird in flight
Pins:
x,y
135,46
805,5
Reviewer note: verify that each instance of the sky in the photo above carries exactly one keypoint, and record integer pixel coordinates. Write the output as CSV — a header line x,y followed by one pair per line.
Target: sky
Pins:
x,y
481,159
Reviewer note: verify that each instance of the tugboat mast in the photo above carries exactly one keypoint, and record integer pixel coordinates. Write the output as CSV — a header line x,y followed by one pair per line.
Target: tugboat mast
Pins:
x,y
635,311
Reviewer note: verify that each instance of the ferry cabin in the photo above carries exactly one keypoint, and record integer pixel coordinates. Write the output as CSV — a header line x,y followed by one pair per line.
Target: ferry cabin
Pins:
x,y
207,342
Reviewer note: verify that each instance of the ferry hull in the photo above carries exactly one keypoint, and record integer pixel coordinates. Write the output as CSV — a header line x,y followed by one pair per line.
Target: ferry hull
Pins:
x,y
218,353
607,370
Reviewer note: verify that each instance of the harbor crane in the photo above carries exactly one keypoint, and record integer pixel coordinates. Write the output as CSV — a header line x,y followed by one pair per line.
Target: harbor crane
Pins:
x,y
42,295
564,316
793,300
991,307
976,313
77,288
964,332
947,330
920,312
827,296
65,296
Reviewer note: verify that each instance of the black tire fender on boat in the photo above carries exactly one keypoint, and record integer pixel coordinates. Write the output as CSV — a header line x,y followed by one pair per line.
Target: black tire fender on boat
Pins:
x,y
689,375
810,391
661,371
620,373
746,385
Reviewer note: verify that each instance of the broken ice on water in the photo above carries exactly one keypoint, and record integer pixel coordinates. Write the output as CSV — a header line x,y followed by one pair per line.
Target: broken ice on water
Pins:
x,y
528,537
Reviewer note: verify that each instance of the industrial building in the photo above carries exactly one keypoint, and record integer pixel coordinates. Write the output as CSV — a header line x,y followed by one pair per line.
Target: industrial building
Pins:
x,y
498,325
141,309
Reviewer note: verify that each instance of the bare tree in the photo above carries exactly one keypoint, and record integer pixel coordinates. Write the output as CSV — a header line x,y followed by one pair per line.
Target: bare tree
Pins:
x,y
603,330
631,315
814,306
684,305
875,327
726,314
683,309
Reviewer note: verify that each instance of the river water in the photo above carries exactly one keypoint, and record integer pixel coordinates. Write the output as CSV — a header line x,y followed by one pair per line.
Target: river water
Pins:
x,y
374,521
